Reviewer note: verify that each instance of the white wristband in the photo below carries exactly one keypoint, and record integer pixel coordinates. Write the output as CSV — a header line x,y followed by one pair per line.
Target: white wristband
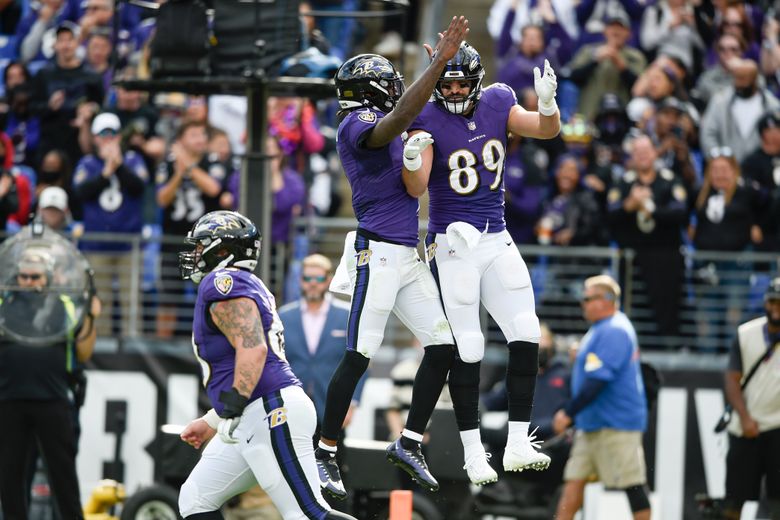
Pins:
x,y
212,419
413,164
548,109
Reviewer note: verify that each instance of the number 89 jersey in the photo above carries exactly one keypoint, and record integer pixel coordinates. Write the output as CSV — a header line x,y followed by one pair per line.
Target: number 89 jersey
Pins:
x,y
467,182
215,353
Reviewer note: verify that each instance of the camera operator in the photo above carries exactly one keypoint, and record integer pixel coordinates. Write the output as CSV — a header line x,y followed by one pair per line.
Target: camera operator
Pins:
x,y
35,377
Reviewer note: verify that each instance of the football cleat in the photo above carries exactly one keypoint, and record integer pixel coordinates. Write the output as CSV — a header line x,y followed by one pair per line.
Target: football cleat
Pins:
x,y
412,462
523,455
479,470
330,477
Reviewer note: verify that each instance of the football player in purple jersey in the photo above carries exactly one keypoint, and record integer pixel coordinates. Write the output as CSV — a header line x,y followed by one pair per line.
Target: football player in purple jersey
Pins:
x,y
380,268
263,418
456,150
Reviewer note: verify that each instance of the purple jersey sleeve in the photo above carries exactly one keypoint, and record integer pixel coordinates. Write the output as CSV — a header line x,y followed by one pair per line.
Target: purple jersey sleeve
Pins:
x,y
213,350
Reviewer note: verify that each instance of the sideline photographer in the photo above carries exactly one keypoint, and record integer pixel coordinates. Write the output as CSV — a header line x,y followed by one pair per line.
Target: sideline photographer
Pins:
x,y
47,314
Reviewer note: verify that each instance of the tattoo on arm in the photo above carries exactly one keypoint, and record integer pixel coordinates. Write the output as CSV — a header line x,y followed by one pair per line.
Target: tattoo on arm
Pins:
x,y
240,322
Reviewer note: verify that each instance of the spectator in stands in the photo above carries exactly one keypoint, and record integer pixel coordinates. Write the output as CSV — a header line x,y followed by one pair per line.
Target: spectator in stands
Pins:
x,y
647,210
37,30
139,119
726,210
189,185
671,24
312,37
761,166
731,117
516,63
315,334
21,126
60,89
9,202
612,66
736,21
770,53
670,138
56,170
293,122
609,406
754,428
571,214
53,209
718,77
605,156
221,151
99,48
110,184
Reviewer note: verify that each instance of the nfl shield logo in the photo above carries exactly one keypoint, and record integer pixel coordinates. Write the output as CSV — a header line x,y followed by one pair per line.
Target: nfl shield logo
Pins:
x,y
472,125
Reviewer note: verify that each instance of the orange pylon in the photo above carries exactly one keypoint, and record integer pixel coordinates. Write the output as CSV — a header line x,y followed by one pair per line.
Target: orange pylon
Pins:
x,y
400,505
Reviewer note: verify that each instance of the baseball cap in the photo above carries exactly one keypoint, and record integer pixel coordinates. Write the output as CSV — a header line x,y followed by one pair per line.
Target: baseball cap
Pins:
x,y
673,103
610,103
773,291
53,197
769,120
618,17
69,26
106,121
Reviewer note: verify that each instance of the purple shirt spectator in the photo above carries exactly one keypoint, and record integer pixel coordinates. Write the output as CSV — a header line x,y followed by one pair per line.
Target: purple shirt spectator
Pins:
x,y
286,200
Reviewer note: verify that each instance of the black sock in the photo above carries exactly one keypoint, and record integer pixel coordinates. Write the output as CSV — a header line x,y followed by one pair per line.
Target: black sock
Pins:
x,y
521,373
464,390
428,384
342,385
409,444
322,454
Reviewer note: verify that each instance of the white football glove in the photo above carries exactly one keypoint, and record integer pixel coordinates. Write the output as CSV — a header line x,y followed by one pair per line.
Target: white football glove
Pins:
x,y
545,86
227,427
413,148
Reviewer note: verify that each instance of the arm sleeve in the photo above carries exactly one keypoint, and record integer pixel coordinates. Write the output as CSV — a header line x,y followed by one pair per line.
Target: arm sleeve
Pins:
x,y
88,187
129,181
31,43
590,389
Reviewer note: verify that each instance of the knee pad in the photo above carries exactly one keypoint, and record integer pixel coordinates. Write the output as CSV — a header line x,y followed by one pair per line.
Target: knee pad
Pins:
x,y
471,346
523,358
512,271
523,328
367,343
188,501
637,498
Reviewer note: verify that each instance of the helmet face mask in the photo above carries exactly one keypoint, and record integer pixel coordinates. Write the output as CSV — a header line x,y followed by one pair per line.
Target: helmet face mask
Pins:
x,y
465,66
221,239
368,81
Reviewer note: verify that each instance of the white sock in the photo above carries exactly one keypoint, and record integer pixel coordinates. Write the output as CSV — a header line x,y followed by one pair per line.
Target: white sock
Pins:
x,y
412,435
518,430
472,444
325,447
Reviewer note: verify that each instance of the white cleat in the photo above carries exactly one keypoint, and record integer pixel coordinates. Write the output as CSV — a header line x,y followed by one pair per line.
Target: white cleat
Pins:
x,y
523,455
479,470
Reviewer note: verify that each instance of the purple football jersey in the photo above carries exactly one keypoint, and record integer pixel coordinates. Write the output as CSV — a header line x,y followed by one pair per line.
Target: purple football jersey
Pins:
x,y
379,198
215,353
467,182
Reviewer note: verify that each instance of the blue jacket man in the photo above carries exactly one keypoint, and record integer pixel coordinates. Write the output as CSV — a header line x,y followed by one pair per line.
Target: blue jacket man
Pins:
x,y
315,331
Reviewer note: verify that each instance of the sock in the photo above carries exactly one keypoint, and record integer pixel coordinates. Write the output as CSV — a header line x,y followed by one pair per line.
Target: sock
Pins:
x,y
472,444
464,390
521,373
324,452
410,439
518,431
326,447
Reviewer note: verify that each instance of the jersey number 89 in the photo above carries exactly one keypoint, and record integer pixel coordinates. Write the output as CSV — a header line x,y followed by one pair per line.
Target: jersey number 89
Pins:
x,y
464,178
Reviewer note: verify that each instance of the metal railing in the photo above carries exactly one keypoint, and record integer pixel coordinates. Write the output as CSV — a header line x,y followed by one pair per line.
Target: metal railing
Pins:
x,y
719,289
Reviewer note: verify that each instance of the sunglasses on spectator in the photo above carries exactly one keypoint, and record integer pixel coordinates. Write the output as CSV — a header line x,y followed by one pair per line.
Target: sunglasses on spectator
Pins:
x,y
729,48
30,276
318,279
721,151
586,299
107,133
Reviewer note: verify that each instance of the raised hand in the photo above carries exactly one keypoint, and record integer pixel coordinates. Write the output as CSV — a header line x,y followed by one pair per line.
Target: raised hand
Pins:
x,y
545,85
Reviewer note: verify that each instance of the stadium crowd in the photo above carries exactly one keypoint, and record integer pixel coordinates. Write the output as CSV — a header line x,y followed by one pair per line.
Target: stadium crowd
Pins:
x,y
699,80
